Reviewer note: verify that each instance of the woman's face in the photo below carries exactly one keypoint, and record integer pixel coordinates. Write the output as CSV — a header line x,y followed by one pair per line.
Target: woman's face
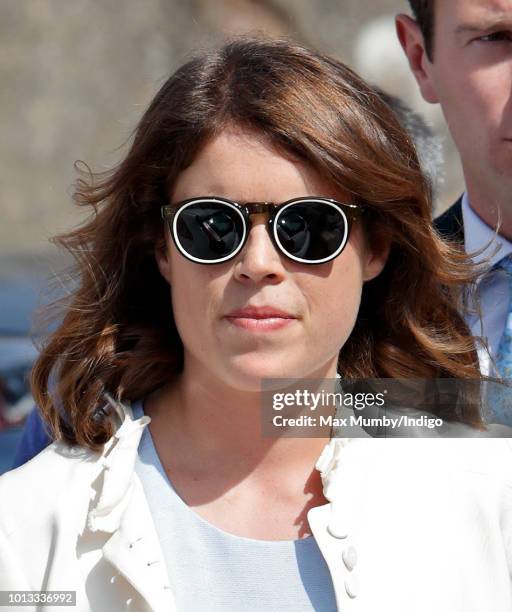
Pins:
x,y
321,301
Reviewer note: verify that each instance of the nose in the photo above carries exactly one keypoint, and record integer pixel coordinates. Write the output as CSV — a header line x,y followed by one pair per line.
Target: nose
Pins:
x,y
259,261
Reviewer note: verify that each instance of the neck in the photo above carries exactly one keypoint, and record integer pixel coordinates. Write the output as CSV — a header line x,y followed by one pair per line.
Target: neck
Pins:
x,y
222,424
493,205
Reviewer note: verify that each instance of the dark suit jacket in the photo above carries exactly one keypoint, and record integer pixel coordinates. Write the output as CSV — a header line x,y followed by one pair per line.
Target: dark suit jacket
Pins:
x,y
449,224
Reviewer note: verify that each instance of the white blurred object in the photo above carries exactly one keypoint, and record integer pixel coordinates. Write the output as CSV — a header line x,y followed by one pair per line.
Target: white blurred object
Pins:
x,y
18,412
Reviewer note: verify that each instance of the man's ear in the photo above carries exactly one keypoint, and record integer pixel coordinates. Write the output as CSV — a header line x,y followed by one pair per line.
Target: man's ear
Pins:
x,y
411,38
376,259
163,260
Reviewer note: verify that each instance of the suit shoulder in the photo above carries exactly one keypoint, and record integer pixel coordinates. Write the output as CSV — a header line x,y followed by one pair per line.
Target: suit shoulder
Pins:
x,y
450,223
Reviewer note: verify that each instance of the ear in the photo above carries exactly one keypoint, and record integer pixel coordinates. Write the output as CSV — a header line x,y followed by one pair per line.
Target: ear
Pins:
x,y
163,260
375,260
411,38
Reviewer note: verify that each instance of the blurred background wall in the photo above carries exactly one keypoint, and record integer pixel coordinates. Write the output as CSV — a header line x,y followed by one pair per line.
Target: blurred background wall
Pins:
x,y
77,75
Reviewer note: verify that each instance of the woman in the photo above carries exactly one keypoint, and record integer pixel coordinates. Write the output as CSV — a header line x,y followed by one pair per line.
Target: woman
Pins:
x,y
269,221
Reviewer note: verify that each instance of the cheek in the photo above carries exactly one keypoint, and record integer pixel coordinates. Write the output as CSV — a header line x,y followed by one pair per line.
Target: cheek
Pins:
x,y
488,93
193,295
334,300
483,103
486,107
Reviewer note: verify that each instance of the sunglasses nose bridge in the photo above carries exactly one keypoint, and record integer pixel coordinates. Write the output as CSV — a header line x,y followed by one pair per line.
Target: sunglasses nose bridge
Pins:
x,y
258,208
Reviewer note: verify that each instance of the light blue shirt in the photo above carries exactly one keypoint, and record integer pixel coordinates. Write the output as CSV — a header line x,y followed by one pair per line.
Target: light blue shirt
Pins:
x,y
492,288
211,570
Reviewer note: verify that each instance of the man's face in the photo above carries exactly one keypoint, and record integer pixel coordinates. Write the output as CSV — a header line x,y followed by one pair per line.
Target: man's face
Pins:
x,y
471,77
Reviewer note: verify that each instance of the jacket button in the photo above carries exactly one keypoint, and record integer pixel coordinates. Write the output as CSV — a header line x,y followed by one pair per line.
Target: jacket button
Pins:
x,y
349,556
351,585
337,530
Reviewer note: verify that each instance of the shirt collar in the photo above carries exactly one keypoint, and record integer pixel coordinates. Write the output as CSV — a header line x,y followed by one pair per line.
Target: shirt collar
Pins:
x,y
477,234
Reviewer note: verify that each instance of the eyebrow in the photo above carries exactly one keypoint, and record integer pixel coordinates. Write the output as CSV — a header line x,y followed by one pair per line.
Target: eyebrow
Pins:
x,y
503,23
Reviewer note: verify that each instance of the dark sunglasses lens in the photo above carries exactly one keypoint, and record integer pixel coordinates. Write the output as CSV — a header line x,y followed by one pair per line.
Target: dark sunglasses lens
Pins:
x,y
209,230
312,231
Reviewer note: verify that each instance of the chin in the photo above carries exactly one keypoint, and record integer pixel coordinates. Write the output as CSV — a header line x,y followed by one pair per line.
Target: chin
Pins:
x,y
250,374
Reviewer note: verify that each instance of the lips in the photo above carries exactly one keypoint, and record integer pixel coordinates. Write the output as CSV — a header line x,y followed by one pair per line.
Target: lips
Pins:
x,y
261,312
260,318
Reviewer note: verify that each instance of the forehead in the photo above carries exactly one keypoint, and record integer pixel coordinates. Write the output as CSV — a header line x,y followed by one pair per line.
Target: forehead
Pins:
x,y
472,12
244,166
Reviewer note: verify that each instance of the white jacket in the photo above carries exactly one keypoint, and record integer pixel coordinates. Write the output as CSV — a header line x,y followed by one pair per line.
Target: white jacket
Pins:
x,y
412,525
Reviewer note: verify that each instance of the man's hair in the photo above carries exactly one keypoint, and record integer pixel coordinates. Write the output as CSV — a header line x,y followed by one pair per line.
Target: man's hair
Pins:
x,y
423,11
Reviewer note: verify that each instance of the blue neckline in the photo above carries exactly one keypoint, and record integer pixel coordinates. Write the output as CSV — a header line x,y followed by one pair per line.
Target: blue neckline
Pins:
x,y
138,411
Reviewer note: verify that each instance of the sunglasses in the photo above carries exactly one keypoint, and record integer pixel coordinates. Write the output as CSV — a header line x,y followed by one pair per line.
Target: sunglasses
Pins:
x,y
212,230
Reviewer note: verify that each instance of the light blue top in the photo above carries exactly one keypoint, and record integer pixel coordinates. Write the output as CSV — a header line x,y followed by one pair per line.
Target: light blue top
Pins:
x,y
211,570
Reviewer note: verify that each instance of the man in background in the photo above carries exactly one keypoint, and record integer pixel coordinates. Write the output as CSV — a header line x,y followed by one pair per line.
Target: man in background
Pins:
x,y
460,52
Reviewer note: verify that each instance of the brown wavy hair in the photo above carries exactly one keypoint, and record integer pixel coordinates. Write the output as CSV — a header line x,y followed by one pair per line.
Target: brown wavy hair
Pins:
x,y
116,332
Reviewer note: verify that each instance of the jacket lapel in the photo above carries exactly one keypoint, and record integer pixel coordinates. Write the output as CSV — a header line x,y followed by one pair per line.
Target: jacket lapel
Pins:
x,y
119,507
135,552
